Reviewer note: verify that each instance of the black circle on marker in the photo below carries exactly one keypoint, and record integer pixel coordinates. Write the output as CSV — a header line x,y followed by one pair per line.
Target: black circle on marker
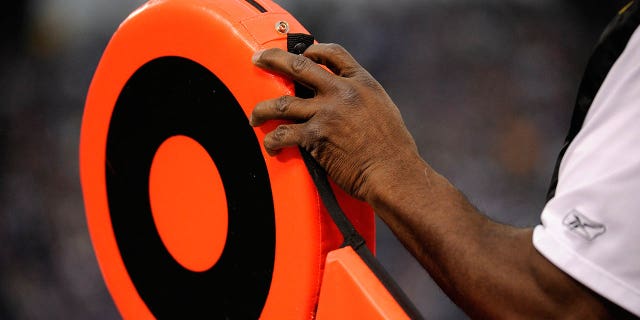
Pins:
x,y
176,96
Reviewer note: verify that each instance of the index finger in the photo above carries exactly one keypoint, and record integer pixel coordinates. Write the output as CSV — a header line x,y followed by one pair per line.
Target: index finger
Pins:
x,y
295,67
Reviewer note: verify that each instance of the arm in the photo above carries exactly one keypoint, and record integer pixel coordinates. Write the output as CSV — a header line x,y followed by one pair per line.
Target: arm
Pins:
x,y
357,134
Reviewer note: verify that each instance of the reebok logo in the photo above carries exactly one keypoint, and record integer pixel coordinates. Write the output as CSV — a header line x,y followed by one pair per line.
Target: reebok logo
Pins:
x,y
583,226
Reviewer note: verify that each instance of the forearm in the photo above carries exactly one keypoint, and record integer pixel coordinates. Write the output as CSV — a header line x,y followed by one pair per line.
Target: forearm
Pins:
x,y
489,269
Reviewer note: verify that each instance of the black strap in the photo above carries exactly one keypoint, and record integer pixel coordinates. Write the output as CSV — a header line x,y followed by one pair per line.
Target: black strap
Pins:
x,y
257,6
609,48
350,234
297,43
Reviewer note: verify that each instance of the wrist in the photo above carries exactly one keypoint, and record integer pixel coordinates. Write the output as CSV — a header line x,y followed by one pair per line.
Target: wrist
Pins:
x,y
395,177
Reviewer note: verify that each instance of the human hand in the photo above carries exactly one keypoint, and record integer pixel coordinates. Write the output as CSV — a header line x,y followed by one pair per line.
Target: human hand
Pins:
x,y
351,126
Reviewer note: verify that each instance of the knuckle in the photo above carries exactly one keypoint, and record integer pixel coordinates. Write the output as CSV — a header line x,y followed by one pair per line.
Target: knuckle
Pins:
x,y
313,138
368,81
313,132
300,63
349,93
281,132
282,104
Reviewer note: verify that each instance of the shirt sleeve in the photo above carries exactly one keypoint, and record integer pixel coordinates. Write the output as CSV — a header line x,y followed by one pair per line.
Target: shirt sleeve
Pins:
x,y
591,228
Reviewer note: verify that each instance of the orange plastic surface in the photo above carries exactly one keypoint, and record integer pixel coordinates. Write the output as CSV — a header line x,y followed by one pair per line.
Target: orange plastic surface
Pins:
x,y
350,290
220,35
184,188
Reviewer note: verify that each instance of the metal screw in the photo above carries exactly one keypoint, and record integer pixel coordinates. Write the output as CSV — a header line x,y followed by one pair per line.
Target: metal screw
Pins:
x,y
282,27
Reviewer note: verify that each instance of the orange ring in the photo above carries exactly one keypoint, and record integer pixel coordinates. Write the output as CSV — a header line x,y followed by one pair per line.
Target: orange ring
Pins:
x,y
221,36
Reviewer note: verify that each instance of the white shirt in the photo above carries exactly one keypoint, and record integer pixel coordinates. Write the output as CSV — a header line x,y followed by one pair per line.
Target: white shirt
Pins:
x,y
591,228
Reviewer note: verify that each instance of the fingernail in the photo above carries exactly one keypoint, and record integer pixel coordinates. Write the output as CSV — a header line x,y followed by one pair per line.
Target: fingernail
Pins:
x,y
272,152
256,56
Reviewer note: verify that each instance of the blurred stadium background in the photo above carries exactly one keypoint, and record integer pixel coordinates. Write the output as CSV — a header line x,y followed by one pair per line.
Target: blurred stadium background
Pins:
x,y
486,87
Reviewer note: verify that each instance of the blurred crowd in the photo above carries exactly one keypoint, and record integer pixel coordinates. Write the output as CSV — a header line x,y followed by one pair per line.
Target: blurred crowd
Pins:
x,y
486,88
